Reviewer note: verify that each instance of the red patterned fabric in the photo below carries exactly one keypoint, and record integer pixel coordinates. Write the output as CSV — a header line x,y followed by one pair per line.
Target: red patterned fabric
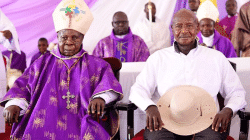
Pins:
x,y
4,60
139,135
230,138
6,135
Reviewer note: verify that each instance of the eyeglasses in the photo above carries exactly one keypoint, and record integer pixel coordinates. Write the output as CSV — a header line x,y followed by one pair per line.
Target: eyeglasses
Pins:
x,y
118,22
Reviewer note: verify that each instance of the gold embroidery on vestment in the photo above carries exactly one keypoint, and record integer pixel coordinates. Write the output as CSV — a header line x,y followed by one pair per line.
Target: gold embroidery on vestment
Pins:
x,y
63,84
72,136
27,137
53,100
73,108
88,136
51,136
39,119
62,123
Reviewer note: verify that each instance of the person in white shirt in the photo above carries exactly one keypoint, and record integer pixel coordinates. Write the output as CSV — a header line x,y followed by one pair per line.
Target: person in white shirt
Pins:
x,y
8,34
9,39
187,63
156,33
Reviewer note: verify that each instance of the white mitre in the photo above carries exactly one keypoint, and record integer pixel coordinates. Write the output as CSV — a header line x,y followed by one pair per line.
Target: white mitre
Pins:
x,y
207,10
72,14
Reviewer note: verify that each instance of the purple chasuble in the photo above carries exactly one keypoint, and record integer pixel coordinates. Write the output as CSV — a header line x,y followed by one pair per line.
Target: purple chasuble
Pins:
x,y
221,44
134,48
18,60
37,55
44,86
228,23
121,49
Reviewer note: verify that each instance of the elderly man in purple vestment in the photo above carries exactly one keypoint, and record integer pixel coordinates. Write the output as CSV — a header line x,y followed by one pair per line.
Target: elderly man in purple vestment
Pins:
x,y
207,15
228,22
42,46
59,92
122,44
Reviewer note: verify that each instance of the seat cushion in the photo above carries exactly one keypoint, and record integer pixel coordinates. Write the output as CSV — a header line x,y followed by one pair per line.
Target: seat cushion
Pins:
x,y
139,135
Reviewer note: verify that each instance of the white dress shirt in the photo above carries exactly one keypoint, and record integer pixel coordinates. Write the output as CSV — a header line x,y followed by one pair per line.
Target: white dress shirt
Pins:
x,y
160,34
203,67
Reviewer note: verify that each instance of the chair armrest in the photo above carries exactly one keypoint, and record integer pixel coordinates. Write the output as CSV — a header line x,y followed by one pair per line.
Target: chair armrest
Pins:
x,y
244,115
244,124
122,106
110,105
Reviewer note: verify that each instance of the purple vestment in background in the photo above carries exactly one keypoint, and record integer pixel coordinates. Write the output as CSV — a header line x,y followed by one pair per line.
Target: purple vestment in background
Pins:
x,y
136,51
228,24
18,60
180,4
221,44
45,82
37,55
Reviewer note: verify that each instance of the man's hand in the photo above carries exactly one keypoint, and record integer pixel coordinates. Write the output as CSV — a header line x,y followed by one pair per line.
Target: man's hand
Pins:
x,y
11,114
96,105
7,34
223,118
154,121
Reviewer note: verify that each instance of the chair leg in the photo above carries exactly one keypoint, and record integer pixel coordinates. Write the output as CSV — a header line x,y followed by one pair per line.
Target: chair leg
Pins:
x,y
130,120
117,136
244,128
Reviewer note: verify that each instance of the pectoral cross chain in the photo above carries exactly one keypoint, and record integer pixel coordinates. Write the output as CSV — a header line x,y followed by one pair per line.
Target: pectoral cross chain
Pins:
x,y
68,80
68,97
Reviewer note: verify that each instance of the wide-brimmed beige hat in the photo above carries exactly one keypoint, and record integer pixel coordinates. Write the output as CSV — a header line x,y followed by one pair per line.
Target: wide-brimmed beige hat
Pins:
x,y
186,110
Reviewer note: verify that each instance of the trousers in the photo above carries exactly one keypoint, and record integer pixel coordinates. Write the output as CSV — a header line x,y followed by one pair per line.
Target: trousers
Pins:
x,y
164,134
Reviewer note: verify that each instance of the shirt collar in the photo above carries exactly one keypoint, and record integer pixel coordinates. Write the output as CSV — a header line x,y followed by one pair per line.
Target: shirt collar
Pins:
x,y
211,37
232,16
208,40
120,36
177,49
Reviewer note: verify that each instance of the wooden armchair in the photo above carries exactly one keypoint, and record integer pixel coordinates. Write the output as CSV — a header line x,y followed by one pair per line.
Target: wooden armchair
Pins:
x,y
116,65
110,120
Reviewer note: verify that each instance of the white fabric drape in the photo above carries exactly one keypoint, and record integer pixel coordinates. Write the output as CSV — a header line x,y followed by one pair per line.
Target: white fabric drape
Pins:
x,y
240,3
104,10
6,24
3,85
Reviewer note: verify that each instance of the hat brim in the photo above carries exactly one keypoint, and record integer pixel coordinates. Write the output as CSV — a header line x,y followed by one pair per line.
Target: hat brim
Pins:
x,y
208,108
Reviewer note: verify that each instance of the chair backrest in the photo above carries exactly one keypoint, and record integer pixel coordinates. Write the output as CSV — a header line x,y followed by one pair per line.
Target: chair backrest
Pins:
x,y
111,118
221,100
115,64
